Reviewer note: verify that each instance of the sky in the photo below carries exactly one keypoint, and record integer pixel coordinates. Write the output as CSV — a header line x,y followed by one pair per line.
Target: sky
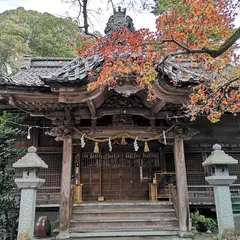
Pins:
x,y
58,8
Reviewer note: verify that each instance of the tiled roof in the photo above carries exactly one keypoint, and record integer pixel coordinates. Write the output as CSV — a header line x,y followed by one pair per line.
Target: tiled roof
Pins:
x,y
46,71
73,71
180,73
33,68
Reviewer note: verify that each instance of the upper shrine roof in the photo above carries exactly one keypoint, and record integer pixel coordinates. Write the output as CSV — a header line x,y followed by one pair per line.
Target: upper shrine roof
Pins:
x,y
46,71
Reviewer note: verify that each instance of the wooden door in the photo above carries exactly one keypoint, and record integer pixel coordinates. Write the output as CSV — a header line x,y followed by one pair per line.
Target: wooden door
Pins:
x,y
117,176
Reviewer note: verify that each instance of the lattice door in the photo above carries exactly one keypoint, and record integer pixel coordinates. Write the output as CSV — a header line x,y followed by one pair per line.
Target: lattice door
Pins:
x,y
52,174
116,176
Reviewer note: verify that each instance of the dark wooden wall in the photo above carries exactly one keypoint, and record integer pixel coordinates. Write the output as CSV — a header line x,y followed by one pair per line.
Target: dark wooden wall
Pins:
x,y
120,178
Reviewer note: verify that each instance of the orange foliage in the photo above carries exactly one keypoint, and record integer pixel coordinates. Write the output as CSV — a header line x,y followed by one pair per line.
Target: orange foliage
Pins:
x,y
192,24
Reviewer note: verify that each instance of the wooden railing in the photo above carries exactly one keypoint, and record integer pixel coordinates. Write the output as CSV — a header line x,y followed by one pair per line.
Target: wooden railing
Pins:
x,y
203,194
235,193
72,200
173,197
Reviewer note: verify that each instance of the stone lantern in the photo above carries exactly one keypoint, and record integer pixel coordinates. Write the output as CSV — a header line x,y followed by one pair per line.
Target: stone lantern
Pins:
x,y
218,162
28,184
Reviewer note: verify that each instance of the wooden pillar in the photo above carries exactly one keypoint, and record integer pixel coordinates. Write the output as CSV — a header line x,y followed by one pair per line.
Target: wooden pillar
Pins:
x,y
205,168
64,212
181,178
206,173
77,167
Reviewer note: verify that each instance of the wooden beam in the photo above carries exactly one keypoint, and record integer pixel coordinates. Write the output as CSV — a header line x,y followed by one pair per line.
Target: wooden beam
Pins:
x,y
205,168
36,135
64,219
14,104
126,111
79,96
164,91
158,106
181,178
85,114
106,132
91,107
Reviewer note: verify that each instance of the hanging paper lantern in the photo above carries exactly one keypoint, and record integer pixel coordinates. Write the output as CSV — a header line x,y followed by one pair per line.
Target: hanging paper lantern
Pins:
x,y
96,148
146,148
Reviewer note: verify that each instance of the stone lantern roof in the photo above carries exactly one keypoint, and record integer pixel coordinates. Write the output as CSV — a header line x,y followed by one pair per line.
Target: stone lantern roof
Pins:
x,y
219,157
30,160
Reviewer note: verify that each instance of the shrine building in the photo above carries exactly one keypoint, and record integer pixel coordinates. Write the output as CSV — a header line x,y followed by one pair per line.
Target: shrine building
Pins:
x,y
112,149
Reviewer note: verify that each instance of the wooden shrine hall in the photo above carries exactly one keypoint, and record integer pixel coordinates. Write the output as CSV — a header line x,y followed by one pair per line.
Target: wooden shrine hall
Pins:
x,y
112,143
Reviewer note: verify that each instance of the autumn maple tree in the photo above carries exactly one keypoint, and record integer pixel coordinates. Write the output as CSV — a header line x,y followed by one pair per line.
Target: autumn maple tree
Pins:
x,y
195,31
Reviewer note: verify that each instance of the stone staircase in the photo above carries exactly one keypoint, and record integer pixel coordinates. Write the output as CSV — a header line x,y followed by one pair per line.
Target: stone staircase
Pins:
x,y
126,220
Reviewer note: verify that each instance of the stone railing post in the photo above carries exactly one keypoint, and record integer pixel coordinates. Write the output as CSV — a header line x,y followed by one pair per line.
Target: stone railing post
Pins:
x,y
28,184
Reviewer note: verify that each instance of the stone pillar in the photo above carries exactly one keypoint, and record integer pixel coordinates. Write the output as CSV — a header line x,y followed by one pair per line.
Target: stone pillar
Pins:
x,y
220,179
181,179
30,164
64,212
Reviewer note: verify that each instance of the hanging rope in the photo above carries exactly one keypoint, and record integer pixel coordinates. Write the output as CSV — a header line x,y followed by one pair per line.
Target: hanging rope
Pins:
x,y
26,125
125,135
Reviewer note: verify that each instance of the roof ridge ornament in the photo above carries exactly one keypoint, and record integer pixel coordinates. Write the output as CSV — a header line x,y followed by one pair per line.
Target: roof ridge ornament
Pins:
x,y
120,10
118,20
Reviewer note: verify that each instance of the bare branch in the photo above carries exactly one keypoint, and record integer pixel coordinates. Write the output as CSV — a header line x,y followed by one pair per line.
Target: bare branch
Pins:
x,y
211,52
225,46
176,42
110,1
85,17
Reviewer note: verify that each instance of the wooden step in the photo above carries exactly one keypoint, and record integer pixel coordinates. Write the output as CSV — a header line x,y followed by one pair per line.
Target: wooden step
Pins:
x,y
127,228
127,220
123,204
121,215
122,224
131,235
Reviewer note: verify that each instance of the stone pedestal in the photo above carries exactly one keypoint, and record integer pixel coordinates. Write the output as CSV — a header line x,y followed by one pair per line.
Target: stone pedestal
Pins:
x,y
30,164
224,208
220,179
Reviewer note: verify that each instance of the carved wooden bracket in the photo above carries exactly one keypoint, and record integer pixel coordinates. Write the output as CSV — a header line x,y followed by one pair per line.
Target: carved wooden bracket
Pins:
x,y
60,132
185,132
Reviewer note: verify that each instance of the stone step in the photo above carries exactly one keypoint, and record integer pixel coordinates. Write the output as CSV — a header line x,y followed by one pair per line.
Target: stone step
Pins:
x,y
173,229
124,220
131,235
109,210
122,224
123,207
123,204
121,215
